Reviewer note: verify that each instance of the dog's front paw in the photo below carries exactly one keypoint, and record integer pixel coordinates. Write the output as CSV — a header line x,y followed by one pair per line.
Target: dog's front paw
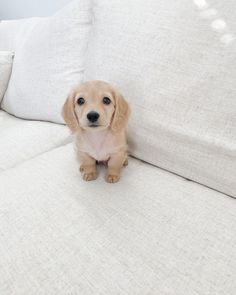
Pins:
x,y
112,178
89,176
88,173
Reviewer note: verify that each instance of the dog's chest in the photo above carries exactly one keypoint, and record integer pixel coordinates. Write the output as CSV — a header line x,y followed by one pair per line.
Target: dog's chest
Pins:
x,y
99,145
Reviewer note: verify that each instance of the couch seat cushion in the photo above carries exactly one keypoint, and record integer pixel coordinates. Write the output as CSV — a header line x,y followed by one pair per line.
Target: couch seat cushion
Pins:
x,y
151,233
21,140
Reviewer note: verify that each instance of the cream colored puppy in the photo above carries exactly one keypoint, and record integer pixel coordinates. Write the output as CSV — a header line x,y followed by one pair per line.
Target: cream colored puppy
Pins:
x,y
98,114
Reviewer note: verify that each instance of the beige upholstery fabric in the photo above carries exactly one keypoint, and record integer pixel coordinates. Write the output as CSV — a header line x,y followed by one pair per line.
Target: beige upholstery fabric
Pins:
x,y
49,61
175,63
21,140
152,233
6,58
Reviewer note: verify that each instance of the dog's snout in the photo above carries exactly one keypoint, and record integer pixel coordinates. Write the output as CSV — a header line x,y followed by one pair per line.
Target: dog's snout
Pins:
x,y
93,116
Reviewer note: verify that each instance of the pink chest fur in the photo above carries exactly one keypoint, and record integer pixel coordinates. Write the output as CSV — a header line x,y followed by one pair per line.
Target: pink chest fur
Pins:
x,y
99,144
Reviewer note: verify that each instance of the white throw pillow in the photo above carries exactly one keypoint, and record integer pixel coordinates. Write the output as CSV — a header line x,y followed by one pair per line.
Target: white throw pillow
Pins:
x,y
48,62
174,61
14,32
6,58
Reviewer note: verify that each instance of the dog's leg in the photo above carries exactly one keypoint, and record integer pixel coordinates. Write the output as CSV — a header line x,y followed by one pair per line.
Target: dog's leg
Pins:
x,y
87,167
115,165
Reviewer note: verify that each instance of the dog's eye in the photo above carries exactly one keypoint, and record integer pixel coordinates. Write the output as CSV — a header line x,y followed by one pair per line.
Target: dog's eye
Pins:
x,y
80,101
106,100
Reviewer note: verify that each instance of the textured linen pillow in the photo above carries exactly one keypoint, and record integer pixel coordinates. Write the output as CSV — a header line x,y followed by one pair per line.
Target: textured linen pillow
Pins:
x,y
175,63
14,32
48,62
6,58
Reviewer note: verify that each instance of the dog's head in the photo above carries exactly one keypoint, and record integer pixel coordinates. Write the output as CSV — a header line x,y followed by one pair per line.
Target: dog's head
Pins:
x,y
95,105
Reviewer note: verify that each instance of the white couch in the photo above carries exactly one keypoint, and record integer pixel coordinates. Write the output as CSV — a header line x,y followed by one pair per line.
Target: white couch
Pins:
x,y
154,232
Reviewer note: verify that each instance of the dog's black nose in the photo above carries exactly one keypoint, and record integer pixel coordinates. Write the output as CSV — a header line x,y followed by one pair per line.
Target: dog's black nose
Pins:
x,y
93,116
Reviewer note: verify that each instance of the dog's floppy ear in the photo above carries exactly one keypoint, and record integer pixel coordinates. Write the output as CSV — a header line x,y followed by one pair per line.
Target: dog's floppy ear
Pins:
x,y
121,114
68,113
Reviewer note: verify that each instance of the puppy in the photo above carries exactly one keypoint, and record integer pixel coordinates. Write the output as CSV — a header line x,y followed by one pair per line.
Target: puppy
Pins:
x,y
97,114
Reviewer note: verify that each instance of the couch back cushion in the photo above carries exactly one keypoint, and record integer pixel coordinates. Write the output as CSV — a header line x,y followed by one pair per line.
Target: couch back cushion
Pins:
x,y
6,58
175,63
49,60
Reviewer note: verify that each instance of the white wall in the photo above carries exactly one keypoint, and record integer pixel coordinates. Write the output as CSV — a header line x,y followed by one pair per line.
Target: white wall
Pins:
x,y
13,9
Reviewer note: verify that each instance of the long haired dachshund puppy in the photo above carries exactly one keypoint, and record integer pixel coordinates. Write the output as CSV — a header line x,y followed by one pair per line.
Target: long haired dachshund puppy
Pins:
x,y
97,114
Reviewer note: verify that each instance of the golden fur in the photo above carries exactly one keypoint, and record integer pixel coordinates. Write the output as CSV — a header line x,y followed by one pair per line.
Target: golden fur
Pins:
x,y
105,141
